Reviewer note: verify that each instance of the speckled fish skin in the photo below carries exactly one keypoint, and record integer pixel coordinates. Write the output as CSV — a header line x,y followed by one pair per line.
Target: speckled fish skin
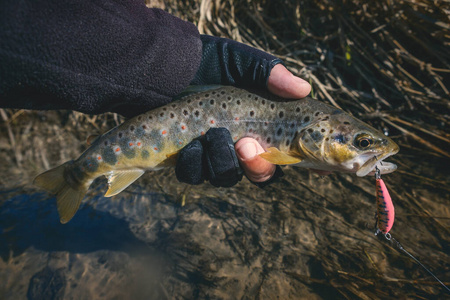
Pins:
x,y
306,133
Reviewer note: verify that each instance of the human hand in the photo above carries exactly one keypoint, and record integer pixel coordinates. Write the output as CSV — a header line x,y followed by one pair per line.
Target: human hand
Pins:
x,y
284,84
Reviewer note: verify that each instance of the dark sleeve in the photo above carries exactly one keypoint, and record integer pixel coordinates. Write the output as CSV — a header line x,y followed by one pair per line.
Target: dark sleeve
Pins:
x,y
93,56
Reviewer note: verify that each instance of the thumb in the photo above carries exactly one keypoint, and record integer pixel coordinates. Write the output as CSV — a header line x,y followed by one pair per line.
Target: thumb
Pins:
x,y
256,168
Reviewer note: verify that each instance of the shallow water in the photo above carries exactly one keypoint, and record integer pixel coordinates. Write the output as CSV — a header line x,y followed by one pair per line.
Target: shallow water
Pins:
x,y
304,237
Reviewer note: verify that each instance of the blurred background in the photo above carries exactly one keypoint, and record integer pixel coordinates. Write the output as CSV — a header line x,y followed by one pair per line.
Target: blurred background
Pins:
x,y
385,62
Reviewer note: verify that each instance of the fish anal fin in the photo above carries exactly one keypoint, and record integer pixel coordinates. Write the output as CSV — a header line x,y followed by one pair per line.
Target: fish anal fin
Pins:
x,y
277,157
120,180
170,161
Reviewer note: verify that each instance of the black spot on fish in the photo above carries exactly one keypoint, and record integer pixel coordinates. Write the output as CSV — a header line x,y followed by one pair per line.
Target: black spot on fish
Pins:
x,y
206,95
279,131
185,112
132,128
200,103
238,102
252,113
288,142
120,135
326,118
139,118
224,105
281,114
174,105
297,109
144,127
347,123
317,113
316,136
268,139
150,117
161,114
327,139
322,130
164,108
272,106
229,98
222,92
108,156
256,98
331,130
211,101
214,92
310,130
263,102
249,95
105,143
306,119
197,113
145,154
172,115
189,101
340,138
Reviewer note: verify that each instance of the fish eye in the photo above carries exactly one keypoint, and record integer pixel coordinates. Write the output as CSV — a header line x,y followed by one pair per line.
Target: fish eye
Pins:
x,y
363,141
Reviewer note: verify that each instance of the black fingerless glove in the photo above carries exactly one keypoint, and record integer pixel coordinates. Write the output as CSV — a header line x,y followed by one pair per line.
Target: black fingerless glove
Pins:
x,y
211,157
229,62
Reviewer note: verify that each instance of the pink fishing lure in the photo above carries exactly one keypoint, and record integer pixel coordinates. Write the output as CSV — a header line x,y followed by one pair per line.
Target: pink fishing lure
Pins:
x,y
385,208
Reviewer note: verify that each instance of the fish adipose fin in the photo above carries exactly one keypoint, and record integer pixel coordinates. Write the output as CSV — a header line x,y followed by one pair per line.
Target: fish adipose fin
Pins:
x,y
120,180
68,199
91,139
275,156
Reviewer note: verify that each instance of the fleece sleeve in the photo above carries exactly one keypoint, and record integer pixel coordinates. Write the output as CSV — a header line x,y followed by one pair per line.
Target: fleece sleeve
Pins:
x,y
93,56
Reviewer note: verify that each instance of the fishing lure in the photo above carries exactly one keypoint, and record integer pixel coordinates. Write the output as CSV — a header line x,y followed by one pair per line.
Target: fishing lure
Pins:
x,y
385,208
385,220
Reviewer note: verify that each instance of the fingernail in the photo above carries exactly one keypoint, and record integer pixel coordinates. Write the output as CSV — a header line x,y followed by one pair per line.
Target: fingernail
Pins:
x,y
246,151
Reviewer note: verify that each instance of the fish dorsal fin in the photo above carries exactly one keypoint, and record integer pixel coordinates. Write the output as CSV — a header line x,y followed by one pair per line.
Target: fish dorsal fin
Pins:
x,y
275,156
91,139
120,180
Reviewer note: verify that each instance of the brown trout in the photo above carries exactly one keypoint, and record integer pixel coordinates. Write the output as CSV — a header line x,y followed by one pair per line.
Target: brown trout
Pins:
x,y
305,133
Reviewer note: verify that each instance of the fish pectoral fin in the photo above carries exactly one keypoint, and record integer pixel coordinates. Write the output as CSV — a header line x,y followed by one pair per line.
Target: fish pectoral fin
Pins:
x,y
120,180
275,156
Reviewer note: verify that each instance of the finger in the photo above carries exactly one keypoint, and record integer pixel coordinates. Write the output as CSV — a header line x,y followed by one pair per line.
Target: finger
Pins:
x,y
284,84
255,167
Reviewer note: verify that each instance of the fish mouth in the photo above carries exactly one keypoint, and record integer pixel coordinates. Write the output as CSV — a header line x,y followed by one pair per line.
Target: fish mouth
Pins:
x,y
368,168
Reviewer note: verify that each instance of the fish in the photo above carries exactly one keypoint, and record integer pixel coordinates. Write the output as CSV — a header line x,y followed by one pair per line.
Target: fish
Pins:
x,y
304,133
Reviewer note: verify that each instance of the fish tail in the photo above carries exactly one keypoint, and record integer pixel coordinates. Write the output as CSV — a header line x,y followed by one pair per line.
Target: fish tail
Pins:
x,y
68,196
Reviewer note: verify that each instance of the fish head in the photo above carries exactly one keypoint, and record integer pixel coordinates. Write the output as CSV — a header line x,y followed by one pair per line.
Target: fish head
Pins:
x,y
340,142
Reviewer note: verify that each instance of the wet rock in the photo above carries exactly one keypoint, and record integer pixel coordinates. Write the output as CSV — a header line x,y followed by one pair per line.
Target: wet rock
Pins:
x,y
47,284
